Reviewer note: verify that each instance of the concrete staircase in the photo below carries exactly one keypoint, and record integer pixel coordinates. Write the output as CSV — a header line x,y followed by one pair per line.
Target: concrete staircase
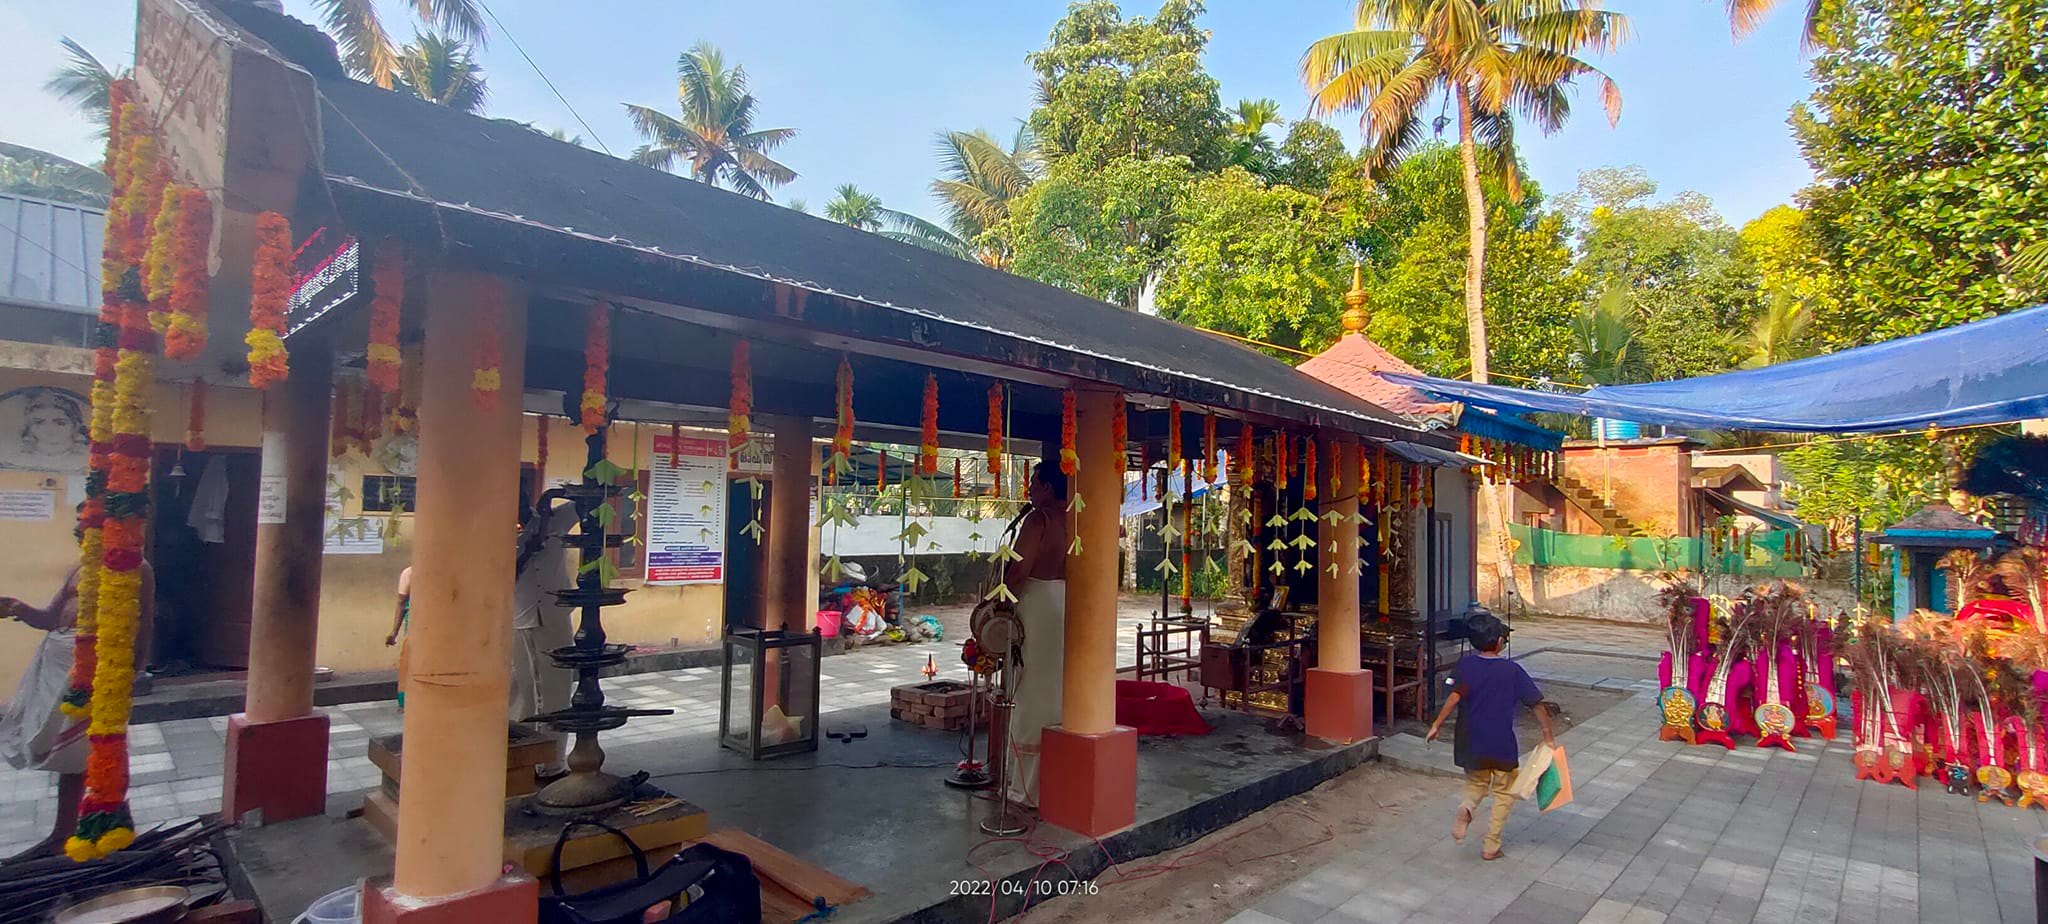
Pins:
x,y
1611,521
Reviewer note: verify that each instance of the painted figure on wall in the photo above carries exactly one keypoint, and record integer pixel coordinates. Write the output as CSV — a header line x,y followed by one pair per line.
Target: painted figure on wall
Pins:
x,y
43,429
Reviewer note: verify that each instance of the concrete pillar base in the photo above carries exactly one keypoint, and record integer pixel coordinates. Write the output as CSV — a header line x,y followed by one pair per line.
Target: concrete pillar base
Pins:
x,y
1339,704
513,899
278,767
1088,784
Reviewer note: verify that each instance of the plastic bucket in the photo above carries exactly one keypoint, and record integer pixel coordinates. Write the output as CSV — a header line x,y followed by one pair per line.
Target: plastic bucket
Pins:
x,y
341,906
828,623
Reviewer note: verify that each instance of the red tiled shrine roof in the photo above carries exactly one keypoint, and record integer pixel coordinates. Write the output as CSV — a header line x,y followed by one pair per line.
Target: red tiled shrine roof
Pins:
x,y
1352,364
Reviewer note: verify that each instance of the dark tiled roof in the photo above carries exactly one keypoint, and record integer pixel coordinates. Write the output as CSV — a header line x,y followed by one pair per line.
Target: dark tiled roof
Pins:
x,y
386,151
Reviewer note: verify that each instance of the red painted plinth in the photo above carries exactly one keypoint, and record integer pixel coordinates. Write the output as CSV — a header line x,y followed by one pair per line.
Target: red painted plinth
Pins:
x,y
514,899
278,767
1339,706
1088,784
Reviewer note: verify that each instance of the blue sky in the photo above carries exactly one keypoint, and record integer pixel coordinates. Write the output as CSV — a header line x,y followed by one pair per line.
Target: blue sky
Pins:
x,y
868,84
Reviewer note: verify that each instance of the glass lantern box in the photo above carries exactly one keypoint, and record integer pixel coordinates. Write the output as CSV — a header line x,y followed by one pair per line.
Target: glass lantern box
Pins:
x,y
769,706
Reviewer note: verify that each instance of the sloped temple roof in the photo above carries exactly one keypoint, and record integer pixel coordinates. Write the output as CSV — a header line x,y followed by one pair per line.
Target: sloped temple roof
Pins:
x,y
506,197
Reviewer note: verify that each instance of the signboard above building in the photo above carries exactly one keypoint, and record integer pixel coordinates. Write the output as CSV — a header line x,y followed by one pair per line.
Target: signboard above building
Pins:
x,y
335,280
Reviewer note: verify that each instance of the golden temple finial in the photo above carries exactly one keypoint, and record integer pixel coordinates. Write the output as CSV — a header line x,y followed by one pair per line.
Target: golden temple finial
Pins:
x,y
1355,316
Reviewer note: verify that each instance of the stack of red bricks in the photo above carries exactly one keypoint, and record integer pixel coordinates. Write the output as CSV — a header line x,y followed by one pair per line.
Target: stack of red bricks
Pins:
x,y
941,704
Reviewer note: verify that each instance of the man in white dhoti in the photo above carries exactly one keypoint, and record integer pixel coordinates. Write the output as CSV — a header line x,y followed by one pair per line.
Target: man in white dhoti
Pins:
x,y
540,623
34,733
1039,579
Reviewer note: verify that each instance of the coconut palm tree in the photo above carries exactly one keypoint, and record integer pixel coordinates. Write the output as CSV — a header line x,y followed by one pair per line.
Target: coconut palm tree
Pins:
x,y
1493,59
1605,336
441,70
83,82
1246,127
849,206
1745,15
1779,333
715,138
366,45
798,205
978,178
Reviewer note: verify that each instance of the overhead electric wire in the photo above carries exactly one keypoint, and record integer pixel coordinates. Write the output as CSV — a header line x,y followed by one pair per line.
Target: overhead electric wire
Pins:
x,y
543,76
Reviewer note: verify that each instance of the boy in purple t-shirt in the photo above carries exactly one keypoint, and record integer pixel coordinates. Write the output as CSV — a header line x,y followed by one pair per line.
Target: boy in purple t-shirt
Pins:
x,y
1489,688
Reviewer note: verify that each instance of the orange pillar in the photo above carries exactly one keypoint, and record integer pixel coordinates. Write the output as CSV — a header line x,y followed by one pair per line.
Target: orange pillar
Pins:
x,y
451,808
1088,764
787,602
276,761
1339,694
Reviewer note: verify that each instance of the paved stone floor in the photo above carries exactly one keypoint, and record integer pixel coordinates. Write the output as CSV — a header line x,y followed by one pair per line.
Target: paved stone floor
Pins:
x,y
176,766
1667,832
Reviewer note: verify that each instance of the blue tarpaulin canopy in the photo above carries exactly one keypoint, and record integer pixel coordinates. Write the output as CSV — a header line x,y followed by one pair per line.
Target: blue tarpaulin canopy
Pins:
x,y
1989,371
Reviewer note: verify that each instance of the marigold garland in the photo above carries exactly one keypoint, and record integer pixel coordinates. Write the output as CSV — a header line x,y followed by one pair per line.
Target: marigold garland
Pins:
x,y
195,417
540,448
78,691
928,450
1280,461
597,356
104,823
881,470
739,423
1336,469
1120,432
159,264
1243,461
1173,447
405,412
387,280
270,285
995,436
956,477
184,320
142,196
1070,460
842,434
1209,448
675,444
1308,469
488,378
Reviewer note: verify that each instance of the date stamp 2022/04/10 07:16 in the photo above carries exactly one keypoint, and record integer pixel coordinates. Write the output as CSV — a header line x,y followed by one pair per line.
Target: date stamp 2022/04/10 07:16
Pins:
x,y
1037,888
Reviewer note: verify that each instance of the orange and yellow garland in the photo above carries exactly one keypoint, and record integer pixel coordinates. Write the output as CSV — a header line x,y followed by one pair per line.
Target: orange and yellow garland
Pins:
x,y
1070,460
597,354
1308,469
1173,447
739,423
270,285
1209,449
1245,470
995,436
1280,461
387,280
842,434
928,448
1120,432
106,342
184,321
195,417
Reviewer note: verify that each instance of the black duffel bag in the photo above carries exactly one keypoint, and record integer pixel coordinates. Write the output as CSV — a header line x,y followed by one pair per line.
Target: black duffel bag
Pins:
x,y
701,885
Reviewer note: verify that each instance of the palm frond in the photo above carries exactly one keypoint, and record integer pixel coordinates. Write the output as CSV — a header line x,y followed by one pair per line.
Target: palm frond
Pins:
x,y
462,19
2030,263
910,229
83,82
1345,71
366,47
1573,30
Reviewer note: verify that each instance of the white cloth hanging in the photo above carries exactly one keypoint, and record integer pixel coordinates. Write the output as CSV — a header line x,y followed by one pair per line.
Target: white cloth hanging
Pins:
x,y
208,515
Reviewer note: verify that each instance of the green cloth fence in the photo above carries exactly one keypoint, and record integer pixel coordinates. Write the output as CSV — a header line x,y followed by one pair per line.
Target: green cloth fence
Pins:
x,y
1549,548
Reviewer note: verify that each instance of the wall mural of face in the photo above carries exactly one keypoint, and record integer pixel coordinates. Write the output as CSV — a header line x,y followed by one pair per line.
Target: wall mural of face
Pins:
x,y
43,428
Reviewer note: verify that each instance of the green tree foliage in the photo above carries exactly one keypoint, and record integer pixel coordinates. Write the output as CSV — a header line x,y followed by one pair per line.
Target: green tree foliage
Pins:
x,y
715,138
1102,231
1926,128
1792,266
28,172
1495,60
1686,271
1412,230
1110,87
366,45
1312,156
442,71
849,206
978,178
1256,260
1880,481
1250,147
83,82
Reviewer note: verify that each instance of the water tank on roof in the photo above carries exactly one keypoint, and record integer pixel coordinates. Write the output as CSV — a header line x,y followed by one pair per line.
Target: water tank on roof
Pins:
x,y
1617,429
